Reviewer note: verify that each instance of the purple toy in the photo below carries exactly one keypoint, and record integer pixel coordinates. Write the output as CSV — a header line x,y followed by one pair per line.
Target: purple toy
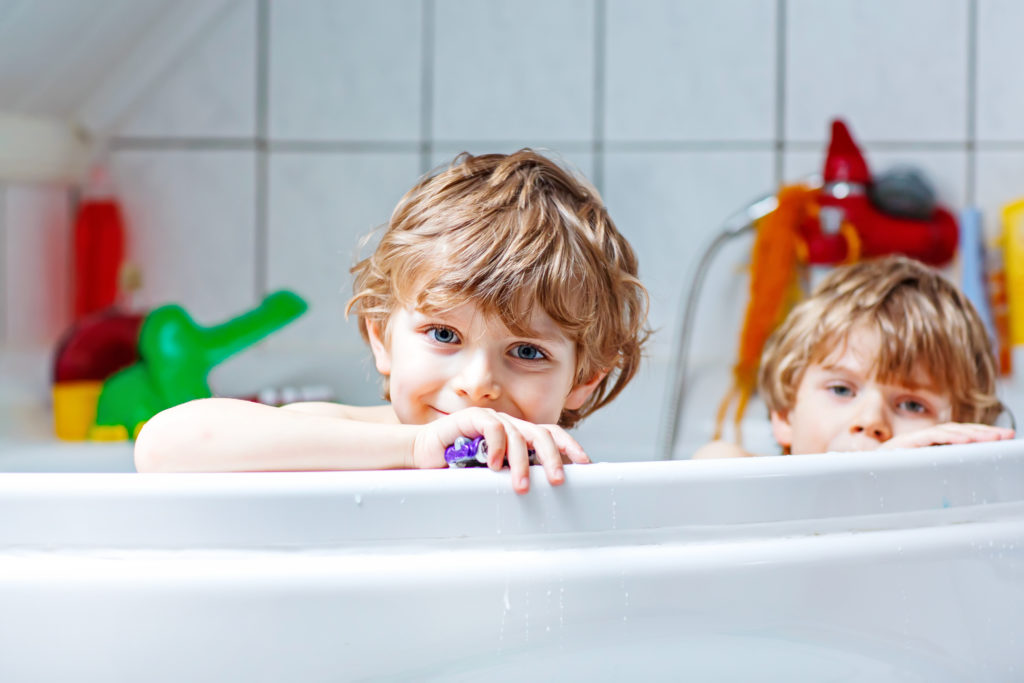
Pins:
x,y
467,452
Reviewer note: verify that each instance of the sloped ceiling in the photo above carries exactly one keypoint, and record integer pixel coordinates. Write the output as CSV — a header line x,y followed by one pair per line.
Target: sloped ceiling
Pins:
x,y
55,53
70,70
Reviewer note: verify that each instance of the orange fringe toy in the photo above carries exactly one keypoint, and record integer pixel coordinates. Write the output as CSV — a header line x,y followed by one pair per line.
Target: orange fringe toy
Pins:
x,y
776,257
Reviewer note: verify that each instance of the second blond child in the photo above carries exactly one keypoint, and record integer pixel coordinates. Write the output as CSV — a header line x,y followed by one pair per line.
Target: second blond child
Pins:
x,y
883,354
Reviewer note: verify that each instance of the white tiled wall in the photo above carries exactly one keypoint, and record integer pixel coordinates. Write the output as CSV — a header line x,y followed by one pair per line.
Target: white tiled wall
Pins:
x,y
290,128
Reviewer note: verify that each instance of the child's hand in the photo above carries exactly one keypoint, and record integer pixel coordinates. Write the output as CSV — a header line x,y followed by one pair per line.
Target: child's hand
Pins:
x,y
949,433
506,436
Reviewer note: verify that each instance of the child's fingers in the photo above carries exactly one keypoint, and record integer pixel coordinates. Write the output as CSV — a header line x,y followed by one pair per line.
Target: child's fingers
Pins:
x,y
494,433
547,453
979,432
510,440
955,432
568,446
518,458
950,433
995,433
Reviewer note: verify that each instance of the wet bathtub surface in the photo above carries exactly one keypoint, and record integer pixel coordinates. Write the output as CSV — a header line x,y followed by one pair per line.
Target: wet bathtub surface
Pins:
x,y
903,566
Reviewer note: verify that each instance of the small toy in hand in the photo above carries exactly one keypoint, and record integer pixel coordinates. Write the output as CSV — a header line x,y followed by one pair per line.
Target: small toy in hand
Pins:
x,y
466,452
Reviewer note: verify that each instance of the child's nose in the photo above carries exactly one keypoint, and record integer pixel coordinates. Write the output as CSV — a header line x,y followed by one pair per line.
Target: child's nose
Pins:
x,y
872,419
476,381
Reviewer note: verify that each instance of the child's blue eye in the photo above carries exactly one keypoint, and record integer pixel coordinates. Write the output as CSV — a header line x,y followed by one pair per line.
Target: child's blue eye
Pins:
x,y
443,335
528,352
912,406
841,390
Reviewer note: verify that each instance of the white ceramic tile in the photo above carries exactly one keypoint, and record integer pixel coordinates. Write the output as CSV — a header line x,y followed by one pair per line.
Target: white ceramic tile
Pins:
x,y
579,162
670,206
628,427
346,69
321,206
514,70
54,54
191,228
1000,84
37,269
895,69
4,284
211,90
349,375
1000,180
690,70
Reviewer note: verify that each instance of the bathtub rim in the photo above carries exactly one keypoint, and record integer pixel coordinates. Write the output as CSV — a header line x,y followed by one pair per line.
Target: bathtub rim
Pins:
x,y
795,495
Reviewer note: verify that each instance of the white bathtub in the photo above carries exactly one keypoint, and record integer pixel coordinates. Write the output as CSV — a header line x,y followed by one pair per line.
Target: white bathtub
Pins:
x,y
903,566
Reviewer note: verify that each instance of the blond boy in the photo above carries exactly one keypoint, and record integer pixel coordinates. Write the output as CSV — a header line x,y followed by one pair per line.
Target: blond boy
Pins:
x,y
884,354
500,302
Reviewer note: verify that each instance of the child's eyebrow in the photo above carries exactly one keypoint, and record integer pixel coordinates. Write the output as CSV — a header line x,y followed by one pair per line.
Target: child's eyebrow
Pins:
x,y
552,334
543,336
837,367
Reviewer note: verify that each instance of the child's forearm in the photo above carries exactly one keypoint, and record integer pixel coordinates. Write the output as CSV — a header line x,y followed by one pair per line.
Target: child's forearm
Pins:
x,y
224,435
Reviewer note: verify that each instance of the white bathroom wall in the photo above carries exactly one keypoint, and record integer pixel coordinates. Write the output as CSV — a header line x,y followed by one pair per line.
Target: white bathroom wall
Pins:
x,y
290,128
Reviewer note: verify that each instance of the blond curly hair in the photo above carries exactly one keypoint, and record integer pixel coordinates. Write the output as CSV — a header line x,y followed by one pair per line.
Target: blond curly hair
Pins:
x,y
923,320
508,233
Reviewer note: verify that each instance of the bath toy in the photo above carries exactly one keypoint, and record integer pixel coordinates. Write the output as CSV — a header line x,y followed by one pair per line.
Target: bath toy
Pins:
x,y
175,357
774,288
833,224
93,349
466,452
99,239
122,369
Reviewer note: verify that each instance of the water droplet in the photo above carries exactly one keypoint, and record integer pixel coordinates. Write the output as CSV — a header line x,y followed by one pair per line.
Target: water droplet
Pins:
x,y
358,499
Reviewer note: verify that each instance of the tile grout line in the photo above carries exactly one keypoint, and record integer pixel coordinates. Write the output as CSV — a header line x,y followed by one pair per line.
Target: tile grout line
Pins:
x,y
5,306
262,169
426,145
135,144
780,91
971,171
600,83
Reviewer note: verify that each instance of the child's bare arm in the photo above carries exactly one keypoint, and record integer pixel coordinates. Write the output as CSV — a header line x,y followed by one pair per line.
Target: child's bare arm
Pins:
x,y
382,414
224,435
720,449
228,435
949,433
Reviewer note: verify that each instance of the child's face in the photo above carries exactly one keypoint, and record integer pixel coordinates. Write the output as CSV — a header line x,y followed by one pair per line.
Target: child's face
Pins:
x,y
841,406
441,363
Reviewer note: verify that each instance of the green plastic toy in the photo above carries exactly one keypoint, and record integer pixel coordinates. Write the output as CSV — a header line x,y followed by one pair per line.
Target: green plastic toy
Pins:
x,y
175,357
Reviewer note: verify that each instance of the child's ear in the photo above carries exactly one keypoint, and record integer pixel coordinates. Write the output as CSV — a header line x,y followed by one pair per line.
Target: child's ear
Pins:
x,y
781,429
381,356
581,392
